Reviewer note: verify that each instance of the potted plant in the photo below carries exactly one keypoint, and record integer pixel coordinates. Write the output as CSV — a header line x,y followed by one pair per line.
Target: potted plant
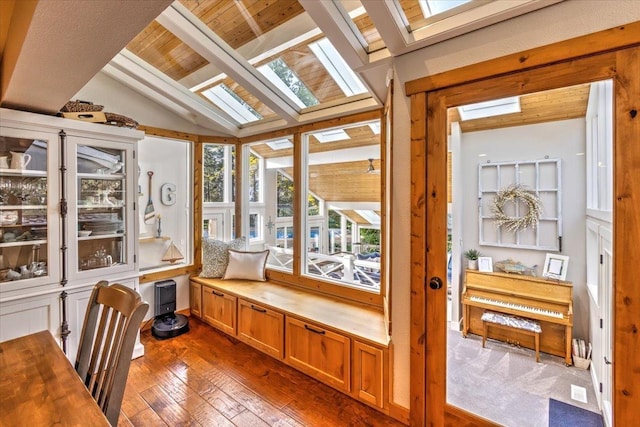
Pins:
x,y
472,258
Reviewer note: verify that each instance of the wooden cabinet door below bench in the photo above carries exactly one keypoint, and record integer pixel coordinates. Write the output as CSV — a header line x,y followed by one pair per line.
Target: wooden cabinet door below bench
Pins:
x,y
261,328
368,373
195,299
219,310
318,352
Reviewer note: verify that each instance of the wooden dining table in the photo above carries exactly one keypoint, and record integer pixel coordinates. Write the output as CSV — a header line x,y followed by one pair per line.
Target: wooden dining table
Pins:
x,y
39,387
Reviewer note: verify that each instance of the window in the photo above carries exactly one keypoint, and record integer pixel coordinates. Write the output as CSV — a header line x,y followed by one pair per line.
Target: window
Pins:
x,y
279,73
171,162
343,184
232,104
337,206
284,186
218,187
270,192
255,172
218,173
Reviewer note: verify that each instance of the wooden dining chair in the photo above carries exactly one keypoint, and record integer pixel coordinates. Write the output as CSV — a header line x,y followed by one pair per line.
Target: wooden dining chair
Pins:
x,y
111,324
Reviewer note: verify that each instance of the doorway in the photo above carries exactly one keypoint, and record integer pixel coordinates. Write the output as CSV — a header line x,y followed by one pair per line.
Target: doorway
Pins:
x,y
429,220
533,147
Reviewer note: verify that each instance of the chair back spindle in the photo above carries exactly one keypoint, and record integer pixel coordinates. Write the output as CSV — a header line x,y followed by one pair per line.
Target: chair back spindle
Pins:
x,y
111,323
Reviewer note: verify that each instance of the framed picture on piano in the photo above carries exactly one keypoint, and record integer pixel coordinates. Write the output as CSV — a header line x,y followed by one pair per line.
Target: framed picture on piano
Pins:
x,y
485,264
555,267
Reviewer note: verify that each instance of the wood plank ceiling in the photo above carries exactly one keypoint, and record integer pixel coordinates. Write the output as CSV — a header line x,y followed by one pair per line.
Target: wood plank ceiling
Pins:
x,y
559,104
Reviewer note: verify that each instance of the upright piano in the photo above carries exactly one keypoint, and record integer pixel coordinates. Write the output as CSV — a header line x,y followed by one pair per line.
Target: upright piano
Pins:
x,y
548,301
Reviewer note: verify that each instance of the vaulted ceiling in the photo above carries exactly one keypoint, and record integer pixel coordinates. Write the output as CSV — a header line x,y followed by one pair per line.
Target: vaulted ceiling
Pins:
x,y
235,67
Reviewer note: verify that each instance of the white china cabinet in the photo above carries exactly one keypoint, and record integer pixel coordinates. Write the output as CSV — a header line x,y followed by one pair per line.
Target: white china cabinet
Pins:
x,y
67,220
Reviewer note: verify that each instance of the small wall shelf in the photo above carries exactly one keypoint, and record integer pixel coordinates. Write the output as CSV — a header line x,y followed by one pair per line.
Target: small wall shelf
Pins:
x,y
153,239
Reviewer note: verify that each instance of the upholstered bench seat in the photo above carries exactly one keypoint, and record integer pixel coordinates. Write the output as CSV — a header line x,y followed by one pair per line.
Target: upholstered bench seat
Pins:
x,y
508,321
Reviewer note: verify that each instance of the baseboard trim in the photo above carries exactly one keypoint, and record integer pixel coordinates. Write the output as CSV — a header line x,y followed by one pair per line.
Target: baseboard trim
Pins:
x,y
399,413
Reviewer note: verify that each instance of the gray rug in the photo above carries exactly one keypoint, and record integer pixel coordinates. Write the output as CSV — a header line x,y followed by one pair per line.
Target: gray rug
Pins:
x,y
505,384
564,415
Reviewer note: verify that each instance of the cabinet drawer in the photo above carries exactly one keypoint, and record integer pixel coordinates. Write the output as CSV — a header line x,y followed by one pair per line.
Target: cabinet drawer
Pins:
x,y
261,328
219,310
195,299
368,373
319,352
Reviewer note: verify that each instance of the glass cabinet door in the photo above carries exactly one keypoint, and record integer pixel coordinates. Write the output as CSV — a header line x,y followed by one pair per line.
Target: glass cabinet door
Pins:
x,y
25,219
102,226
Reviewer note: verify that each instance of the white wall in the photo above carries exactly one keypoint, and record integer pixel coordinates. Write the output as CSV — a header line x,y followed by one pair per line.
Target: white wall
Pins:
x,y
564,140
569,19
170,161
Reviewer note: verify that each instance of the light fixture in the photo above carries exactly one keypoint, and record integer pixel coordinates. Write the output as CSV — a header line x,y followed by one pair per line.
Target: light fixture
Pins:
x,y
371,169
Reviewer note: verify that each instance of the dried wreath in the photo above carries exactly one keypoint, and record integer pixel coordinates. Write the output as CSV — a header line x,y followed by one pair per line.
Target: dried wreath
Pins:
x,y
516,193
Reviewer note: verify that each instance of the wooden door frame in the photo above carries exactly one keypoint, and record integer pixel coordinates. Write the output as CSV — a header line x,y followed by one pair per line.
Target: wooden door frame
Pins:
x,y
610,54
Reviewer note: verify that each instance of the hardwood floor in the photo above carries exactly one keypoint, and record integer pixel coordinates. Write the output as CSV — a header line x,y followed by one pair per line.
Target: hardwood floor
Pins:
x,y
206,378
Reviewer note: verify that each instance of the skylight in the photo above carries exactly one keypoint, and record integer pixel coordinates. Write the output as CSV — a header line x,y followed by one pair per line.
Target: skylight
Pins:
x,y
433,7
370,216
343,75
286,80
280,144
331,135
375,127
492,108
232,104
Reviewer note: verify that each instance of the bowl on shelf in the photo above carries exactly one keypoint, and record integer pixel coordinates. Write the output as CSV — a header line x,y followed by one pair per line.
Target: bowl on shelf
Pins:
x,y
84,233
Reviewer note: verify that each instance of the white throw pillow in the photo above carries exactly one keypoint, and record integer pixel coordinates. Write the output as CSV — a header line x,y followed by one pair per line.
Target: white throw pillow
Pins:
x,y
215,256
246,265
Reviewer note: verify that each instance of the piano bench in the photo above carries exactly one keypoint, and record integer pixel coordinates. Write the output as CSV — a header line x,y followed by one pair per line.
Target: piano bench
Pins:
x,y
508,321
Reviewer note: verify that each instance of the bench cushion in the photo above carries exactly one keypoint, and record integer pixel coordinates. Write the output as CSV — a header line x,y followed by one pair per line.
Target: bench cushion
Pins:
x,y
511,321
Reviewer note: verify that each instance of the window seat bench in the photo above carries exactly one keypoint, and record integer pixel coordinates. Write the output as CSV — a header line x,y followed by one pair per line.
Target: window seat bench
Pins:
x,y
341,344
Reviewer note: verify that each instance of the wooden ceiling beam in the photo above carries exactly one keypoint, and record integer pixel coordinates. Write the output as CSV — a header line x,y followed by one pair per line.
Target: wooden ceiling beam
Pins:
x,y
136,69
335,27
192,31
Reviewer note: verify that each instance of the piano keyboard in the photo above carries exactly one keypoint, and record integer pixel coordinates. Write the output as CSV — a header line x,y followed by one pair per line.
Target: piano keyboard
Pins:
x,y
514,306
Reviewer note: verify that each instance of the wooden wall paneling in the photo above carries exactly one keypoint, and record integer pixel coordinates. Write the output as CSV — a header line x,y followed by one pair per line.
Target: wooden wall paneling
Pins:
x,y
626,224
436,258
602,41
418,247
